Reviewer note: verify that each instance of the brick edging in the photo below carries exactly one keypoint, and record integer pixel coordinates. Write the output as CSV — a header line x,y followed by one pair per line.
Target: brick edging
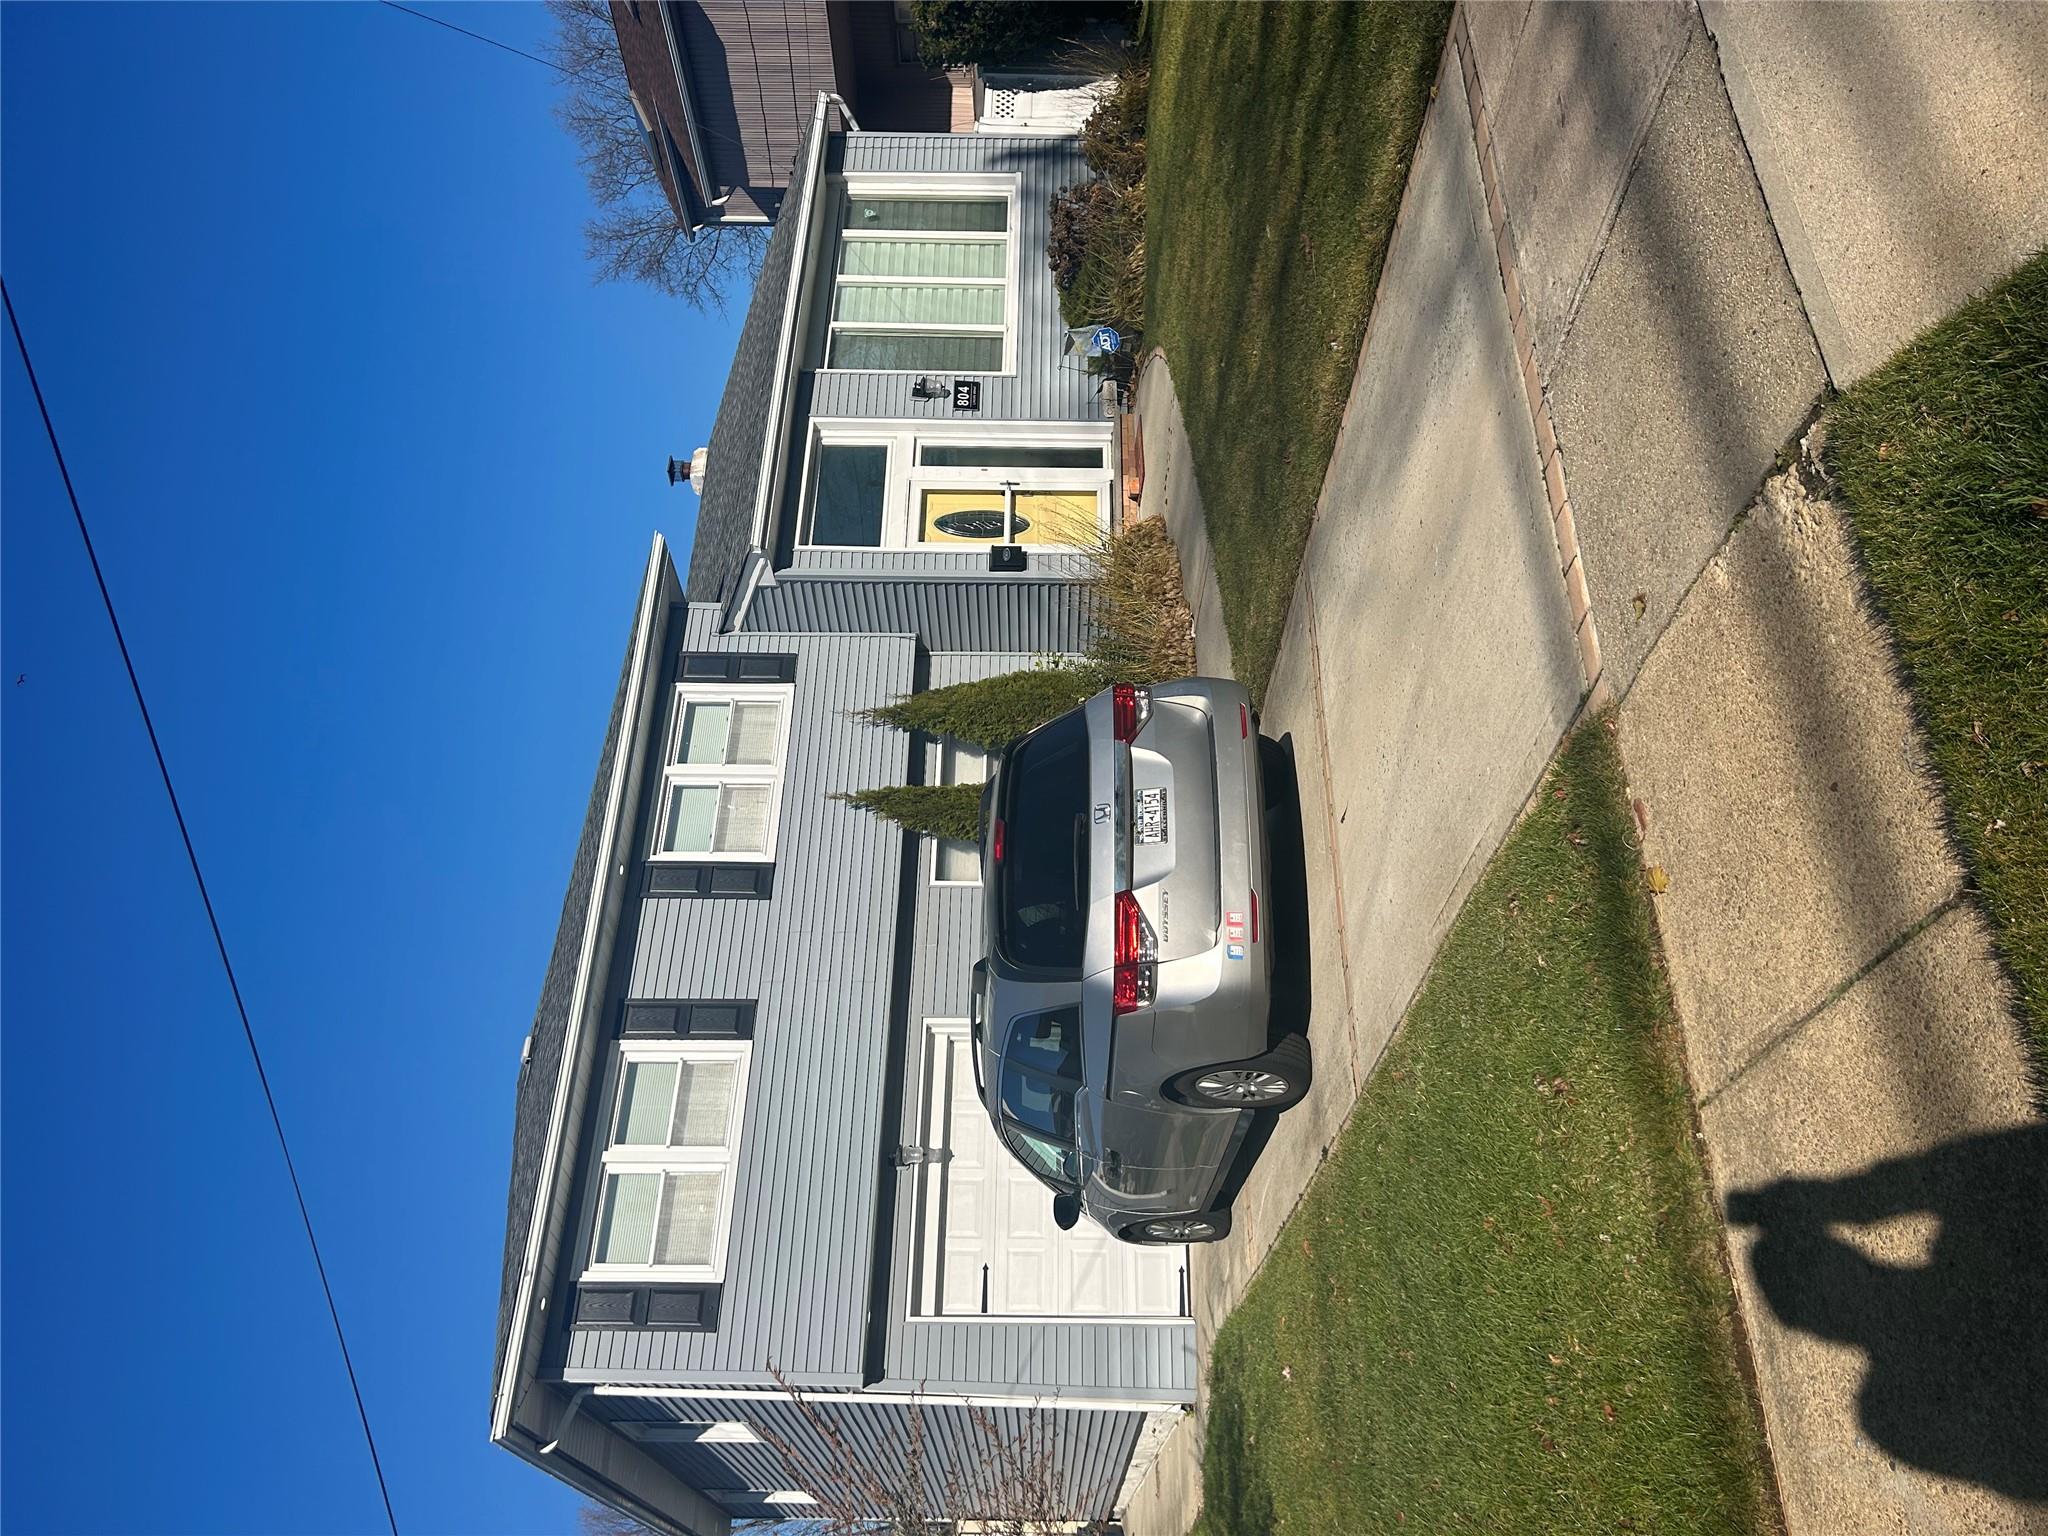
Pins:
x,y
1548,454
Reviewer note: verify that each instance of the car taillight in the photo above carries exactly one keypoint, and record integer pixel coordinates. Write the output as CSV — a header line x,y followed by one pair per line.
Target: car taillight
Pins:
x,y
995,843
1136,975
1255,917
1129,709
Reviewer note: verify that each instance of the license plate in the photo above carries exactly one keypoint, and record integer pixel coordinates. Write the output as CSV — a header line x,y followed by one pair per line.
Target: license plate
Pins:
x,y
1151,815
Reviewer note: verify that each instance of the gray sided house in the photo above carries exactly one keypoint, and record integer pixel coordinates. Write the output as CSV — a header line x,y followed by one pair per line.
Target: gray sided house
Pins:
x,y
748,1143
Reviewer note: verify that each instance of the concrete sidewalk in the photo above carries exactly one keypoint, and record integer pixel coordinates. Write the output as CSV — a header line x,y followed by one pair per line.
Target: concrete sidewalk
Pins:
x,y
1845,1025
1636,180
1426,673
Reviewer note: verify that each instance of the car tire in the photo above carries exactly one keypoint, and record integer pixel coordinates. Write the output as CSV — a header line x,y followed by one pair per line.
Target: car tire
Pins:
x,y
1202,1227
1275,1081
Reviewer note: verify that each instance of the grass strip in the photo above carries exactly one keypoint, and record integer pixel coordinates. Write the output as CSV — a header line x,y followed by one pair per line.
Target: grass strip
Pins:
x,y
1502,1305
1278,144
1942,458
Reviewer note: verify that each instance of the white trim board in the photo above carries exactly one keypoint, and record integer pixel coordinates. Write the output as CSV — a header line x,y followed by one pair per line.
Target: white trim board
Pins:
x,y
969,1399
579,993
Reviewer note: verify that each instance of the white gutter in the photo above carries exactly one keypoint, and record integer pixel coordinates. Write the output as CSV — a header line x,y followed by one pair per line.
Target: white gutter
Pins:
x,y
675,60
775,444
968,1399
579,995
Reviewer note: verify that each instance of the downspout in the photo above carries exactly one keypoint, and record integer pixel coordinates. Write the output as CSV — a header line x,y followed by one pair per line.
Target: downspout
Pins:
x,y
562,1424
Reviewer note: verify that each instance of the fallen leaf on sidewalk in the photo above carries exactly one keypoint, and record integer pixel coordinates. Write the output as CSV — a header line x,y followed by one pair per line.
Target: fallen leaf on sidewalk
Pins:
x,y
1642,603
1659,881
1642,815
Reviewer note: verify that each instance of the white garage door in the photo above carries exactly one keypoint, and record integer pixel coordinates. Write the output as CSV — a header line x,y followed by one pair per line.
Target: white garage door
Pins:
x,y
990,1246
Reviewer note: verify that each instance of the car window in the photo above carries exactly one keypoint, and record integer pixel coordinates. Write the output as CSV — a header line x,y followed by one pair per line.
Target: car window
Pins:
x,y
1038,1102
1049,1041
1041,910
1048,1159
1041,1073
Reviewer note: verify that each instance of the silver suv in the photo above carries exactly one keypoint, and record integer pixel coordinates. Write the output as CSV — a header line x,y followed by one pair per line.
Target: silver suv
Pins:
x,y
1121,1016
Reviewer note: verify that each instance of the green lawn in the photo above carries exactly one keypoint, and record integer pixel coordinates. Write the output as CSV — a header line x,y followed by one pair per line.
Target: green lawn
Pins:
x,y
1502,1306
1278,144
1943,461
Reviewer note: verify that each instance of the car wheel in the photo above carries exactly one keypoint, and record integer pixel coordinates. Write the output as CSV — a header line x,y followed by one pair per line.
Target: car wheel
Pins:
x,y
1277,1080
1180,1229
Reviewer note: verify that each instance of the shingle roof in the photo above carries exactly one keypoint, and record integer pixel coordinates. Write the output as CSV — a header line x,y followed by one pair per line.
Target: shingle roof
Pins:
x,y
741,443
543,1066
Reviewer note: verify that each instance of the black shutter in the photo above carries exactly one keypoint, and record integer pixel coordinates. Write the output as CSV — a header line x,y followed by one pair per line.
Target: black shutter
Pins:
x,y
714,1019
735,667
690,1308
748,881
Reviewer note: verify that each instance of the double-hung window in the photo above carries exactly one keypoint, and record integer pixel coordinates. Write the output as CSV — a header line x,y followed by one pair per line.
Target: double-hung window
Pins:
x,y
666,1199
955,862
924,278
722,772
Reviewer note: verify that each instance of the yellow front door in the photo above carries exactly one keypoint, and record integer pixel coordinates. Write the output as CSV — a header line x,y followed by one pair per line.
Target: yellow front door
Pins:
x,y
976,517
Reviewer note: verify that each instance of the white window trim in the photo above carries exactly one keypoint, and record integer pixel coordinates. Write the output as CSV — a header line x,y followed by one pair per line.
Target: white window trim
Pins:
x,y
938,773
938,186
768,774
635,1159
906,478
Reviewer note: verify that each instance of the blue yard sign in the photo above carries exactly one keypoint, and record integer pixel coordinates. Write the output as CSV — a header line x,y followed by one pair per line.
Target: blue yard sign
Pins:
x,y
1105,339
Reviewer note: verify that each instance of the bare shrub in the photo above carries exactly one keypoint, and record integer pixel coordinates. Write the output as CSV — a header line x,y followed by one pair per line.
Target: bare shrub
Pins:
x,y
1144,629
1007,1480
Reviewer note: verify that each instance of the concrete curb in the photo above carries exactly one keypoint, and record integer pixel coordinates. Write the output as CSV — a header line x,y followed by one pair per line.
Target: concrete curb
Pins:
x,y
1570,569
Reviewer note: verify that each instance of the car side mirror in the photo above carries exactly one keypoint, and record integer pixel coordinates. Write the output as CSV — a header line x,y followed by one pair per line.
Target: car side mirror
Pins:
x,y
1066,1210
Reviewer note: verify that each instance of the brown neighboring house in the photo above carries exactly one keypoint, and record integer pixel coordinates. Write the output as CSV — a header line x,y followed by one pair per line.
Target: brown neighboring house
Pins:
x,y
726,89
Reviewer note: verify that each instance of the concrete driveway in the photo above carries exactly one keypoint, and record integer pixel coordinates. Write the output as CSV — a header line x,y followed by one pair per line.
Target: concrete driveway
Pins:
x,y
1427,672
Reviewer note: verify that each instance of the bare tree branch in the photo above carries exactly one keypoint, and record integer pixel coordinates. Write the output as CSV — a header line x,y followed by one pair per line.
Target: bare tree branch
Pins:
x,y
635,234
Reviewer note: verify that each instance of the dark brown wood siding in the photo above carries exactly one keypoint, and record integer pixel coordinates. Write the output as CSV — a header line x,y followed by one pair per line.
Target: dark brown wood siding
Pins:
x,y
887,88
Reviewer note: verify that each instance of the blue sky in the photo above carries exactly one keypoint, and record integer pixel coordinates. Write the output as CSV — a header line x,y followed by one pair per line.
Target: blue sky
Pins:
x,y
372,466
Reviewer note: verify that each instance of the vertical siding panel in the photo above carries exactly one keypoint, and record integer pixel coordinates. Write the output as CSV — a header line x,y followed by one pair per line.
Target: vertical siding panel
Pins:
x,y
1040,390
816,958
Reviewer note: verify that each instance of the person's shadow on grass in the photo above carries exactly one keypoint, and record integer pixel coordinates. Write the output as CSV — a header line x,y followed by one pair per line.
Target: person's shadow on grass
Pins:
x,y
1958,1347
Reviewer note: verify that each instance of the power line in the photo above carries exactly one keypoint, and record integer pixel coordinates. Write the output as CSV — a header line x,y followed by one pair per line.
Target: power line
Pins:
x,y
480,37
548,64
220,943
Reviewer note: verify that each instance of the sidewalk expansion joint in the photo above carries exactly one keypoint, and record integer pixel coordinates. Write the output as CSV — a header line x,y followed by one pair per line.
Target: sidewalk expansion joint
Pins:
x,y
1840,990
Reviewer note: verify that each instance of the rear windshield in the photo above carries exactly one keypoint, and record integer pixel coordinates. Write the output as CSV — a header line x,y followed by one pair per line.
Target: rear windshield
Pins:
x,y
1042,897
